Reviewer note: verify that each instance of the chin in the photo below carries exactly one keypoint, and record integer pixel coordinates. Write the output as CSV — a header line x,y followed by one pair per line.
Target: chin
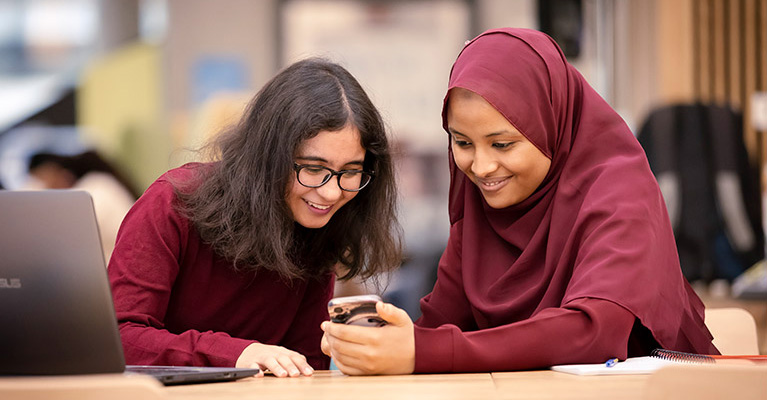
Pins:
x,y
313,223
500,203
497,206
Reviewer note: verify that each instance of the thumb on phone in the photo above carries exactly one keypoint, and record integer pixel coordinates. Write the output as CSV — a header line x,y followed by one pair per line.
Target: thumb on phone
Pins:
x,y
393,315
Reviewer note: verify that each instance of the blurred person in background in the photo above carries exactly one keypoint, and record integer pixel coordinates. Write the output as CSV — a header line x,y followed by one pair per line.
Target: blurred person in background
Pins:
x,y
112,195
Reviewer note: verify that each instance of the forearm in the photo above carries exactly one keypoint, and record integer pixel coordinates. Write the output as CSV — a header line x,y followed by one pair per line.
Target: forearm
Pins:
x,y
588,330
151,346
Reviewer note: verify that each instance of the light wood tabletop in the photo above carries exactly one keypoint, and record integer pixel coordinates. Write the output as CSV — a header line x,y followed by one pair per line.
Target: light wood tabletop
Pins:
x,y
337,386
680,382
556,385
328,385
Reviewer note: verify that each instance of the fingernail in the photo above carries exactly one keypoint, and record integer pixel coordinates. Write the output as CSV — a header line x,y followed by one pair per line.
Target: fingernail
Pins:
x,y
294,372
308,371
322,325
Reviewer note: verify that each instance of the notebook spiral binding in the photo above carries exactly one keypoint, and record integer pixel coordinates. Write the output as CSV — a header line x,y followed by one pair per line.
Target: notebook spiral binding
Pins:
x,y
679,356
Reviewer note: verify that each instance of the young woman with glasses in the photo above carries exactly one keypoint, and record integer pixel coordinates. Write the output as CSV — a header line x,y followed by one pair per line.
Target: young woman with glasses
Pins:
x,y
232,262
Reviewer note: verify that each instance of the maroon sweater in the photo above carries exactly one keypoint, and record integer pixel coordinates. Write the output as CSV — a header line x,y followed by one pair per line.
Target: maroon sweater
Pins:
x,y
179,303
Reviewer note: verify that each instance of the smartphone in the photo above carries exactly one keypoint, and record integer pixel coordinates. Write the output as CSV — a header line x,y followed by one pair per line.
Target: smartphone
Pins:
x,y
355,310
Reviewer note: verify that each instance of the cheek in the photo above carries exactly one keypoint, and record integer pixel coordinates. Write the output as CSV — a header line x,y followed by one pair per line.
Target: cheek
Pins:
x,y
295,191
545,166
537,168
462,159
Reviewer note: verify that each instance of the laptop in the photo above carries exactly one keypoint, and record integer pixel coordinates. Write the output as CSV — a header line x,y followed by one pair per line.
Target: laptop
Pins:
x,y
56,310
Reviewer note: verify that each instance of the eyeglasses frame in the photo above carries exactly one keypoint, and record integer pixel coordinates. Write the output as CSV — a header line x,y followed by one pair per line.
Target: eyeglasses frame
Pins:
x,y
298,167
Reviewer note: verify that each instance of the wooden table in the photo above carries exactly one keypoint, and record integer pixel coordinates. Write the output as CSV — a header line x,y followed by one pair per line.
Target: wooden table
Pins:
x,y
557,385
334,385
677,382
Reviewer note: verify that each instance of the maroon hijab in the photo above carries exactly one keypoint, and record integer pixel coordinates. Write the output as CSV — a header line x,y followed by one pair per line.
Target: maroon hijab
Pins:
x,y
597,227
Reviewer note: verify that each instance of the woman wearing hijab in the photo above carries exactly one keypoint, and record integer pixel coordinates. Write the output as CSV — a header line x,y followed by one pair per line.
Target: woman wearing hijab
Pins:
x,y
560,247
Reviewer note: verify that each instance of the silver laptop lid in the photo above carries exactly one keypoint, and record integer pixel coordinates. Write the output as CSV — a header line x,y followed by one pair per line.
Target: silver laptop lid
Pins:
x,y
56,310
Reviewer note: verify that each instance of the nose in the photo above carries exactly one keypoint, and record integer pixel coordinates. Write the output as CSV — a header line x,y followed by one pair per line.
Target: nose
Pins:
x,y
330,191
483,163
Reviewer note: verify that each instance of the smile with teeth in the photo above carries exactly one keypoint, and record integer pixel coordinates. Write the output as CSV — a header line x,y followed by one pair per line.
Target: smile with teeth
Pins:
x,y
317,206
491,184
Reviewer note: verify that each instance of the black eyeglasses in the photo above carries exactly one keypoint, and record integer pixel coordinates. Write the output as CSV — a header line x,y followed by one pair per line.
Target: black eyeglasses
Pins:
x,y
314,176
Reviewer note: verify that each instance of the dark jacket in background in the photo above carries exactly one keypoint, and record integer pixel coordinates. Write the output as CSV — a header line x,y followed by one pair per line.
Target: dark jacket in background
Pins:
x,y
711,189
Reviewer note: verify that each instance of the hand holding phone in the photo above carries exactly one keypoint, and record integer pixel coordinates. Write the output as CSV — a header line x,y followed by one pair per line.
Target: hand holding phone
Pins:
x,y
364,351
355,310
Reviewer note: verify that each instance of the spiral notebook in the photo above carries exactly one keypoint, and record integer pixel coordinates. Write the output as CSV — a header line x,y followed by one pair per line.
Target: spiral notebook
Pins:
x,y
633,365
649,364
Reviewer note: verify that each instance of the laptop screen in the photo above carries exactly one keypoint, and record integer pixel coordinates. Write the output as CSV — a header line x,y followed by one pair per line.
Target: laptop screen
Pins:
x,y
56,311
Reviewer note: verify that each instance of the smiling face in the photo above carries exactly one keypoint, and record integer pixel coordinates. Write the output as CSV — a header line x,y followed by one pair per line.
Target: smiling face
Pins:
x,y
337,150
506,167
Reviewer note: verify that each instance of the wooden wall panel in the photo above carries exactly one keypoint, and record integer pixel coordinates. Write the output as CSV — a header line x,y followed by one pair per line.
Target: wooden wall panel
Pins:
x,y
703,64
720,56
750,52
675,53
761,44
735,54
729,42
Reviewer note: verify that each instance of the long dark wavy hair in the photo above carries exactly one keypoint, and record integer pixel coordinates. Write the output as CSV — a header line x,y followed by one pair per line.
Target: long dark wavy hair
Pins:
x,y
238,203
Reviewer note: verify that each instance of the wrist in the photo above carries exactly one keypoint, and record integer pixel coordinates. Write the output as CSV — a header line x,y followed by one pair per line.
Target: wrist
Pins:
x,y
245,359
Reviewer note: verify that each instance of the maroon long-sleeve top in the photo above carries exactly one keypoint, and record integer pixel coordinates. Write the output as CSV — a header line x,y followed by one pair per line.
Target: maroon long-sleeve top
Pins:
x,y
179,303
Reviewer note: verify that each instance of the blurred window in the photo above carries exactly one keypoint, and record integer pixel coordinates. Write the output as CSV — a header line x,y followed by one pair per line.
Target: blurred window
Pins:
x,y
39,36
400,51
53,36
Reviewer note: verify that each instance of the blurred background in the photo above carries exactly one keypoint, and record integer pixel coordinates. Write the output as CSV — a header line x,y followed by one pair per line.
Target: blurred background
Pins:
x,y
140,83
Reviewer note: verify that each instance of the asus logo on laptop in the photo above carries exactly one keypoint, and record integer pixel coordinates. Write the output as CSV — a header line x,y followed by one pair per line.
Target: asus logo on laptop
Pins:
x,y
12,283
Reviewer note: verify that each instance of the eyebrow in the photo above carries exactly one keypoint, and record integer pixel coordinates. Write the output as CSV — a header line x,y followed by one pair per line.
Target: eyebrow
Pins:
x,y
455,132
322,160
